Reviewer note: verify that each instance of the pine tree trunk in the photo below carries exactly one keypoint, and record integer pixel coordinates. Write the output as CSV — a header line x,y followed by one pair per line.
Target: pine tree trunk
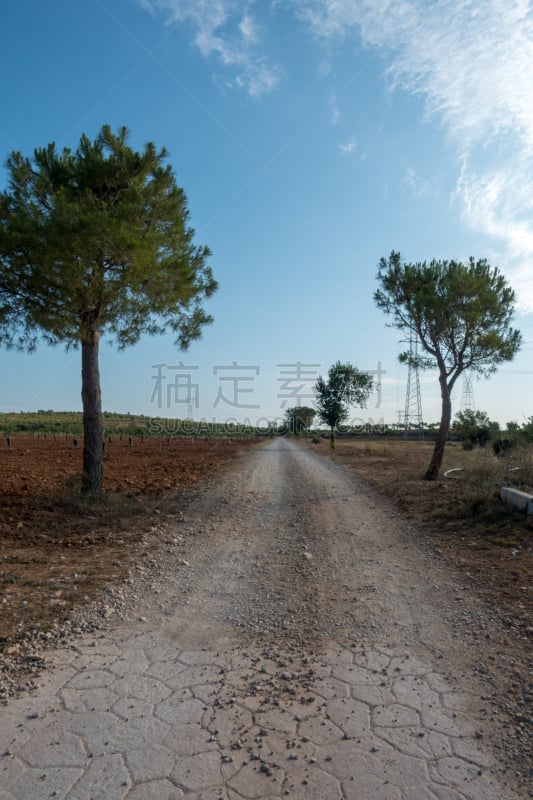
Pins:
x,y
435,464
91,396
332,437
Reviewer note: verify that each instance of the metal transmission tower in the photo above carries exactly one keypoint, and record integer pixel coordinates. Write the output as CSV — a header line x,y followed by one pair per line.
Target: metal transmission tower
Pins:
x,y
412,418
467,396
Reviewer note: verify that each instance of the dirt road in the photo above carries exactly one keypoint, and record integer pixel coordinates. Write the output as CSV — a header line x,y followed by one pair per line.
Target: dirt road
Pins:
x,y
292,639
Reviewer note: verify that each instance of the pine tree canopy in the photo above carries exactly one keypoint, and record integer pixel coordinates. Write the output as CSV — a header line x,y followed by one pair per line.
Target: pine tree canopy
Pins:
x,y
98,238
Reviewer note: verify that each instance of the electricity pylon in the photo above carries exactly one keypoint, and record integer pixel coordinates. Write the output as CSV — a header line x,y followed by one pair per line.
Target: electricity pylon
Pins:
x,y
467,395
412,418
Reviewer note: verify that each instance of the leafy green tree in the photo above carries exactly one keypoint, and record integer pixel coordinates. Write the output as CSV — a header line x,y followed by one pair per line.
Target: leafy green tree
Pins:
x,y
299,419
96,242
512,428
526,430
461,314
345,386
475,426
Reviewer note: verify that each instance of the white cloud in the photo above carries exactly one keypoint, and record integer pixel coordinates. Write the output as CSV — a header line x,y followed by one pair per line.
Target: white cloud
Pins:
x,y
335,113
226,31
418,186
324,68
495,203
499,203
247,28
348,147
473,64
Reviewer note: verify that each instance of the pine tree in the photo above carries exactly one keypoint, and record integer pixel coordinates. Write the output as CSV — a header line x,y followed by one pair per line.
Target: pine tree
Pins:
x,y
461,314
96,243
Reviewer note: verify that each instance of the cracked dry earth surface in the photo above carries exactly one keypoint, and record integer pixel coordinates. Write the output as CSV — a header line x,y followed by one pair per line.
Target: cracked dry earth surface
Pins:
x,y
295,644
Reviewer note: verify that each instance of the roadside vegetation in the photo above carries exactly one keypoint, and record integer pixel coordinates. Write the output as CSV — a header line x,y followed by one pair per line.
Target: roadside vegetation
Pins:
x,y
462,514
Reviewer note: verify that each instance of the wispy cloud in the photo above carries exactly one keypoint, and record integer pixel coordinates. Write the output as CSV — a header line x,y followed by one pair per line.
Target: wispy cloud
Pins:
x,y
247,28
347,147
473,64
499,203
418,186
226,31
334,108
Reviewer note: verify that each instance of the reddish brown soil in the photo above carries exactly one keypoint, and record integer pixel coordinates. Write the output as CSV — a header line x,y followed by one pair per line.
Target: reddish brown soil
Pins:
x,y
56,549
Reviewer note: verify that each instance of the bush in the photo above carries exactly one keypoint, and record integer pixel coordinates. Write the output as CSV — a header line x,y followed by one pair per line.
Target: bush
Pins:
x,y
481,435
502,446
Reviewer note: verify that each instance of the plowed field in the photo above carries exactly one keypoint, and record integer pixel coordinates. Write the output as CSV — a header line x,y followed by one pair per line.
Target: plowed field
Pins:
x,y
57,549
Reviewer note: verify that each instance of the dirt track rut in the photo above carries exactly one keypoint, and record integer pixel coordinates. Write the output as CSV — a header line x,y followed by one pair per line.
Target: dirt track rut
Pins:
x,y
297,643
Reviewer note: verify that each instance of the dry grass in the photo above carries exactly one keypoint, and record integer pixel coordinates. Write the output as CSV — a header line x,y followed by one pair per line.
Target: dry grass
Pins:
x,y
462,515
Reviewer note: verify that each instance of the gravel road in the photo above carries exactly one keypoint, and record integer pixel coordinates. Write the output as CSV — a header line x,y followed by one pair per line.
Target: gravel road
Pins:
x,y
290,638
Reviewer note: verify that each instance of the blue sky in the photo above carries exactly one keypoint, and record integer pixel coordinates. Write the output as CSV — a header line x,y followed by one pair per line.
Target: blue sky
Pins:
x,y
312,137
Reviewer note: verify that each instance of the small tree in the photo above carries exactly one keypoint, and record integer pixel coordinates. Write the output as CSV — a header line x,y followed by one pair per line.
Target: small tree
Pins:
x,y
461,314
475,427
345,386
96,242
526,430
512,428
299,419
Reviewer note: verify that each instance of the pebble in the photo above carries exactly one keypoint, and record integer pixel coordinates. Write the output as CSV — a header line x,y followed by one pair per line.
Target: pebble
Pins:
x,y
27,654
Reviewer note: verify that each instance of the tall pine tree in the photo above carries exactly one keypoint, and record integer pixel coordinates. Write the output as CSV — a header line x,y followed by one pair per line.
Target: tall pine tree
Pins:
x,y
461,315
96,243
